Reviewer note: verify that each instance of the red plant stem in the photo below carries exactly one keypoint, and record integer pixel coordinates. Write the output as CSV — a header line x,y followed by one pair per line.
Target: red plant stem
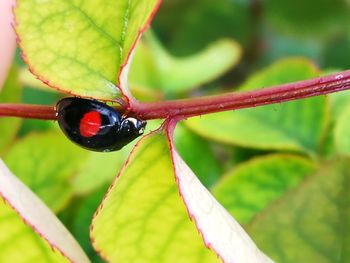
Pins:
x,y
238,100
209,104
28,111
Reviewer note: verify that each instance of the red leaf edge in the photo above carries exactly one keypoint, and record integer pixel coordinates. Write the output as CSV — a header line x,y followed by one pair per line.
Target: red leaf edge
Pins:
x,y
124,92
115,181
261,257
124,69
5,193
31,68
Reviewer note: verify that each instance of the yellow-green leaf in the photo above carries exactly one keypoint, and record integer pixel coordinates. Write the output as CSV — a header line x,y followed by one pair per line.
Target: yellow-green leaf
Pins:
x,y
45,162
342,131
20,244
219,229
10,93
155,68
309,223
18,241
143,218
250,187
91,176
80,46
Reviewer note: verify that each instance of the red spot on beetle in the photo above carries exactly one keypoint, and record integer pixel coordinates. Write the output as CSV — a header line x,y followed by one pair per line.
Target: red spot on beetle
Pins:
x,y
90,124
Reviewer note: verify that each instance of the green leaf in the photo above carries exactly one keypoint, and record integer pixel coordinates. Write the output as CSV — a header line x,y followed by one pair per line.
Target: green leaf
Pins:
x,y
219,229
283,71
80,47
336,140
91,176
342,132
310,223
83,211
10,93
154,67
250,187
45,162
339,102
307,18
297,125
143,217
198,154
29,80
51,242
99,169
19,243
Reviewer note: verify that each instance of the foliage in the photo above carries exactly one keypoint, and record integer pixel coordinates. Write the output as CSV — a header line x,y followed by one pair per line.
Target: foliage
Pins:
x,y
280,170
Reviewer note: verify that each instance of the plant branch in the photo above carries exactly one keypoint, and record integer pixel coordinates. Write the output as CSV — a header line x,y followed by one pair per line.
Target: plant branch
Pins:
x,y
238,100
208,104
28,111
